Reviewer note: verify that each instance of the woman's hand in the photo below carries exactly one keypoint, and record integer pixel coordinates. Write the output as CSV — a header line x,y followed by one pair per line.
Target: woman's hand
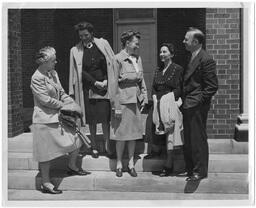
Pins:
x,y
105,84
118,114
142,105
99,85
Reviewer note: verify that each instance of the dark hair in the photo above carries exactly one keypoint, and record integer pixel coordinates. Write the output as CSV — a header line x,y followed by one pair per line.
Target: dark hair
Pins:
x,y
170,47
197,34
128,35
84,26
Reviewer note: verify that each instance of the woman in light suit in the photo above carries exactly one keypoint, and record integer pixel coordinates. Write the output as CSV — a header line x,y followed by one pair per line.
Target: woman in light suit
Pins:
x,y
49,139
131,98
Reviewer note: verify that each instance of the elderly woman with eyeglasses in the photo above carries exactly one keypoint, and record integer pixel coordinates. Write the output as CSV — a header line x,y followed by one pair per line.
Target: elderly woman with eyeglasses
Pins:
x,y
49,139
131,98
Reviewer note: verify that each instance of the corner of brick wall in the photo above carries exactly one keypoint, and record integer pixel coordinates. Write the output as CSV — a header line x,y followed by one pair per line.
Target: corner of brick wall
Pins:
x,y
223,43
15,94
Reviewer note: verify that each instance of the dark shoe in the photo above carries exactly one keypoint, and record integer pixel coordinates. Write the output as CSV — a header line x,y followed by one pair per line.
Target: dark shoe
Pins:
x,y
95,155
48,190
111,156
132,172
166,172
119,172
196,177
185,174
152,155
159,132
80,172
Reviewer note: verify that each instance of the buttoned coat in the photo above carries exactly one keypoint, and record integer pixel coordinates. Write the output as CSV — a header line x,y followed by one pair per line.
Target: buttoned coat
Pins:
x,y
75,71
200,81
130,85
49,97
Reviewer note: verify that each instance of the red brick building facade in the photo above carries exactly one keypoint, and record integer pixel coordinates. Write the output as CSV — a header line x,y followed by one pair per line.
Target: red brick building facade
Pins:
x,y
31,29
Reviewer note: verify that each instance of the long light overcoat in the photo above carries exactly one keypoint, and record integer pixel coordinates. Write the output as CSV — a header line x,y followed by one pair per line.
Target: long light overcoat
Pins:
x,y
75,71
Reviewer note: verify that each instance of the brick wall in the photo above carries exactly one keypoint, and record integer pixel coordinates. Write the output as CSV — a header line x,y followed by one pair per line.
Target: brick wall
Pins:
x,y
15,98
37,31
223,43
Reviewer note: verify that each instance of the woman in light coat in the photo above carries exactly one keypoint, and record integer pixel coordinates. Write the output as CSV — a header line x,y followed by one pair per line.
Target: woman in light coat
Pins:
x,y
91,80
131,98
49,139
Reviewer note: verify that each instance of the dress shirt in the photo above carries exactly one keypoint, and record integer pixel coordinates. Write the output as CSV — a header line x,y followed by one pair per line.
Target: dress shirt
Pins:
x,y
194,54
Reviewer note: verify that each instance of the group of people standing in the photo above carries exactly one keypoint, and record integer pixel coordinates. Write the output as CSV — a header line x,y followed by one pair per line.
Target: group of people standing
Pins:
x,y
110,89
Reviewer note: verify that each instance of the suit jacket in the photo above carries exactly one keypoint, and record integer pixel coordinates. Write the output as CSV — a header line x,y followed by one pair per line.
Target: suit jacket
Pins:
x,y
75,71
49,97
131,86
200,81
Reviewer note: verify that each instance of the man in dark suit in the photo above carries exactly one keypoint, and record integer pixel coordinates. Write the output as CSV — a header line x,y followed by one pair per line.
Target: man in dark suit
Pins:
x,y
199,85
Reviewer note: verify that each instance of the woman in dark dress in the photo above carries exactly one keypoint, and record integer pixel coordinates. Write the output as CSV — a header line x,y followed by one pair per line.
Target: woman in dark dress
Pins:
x,y
167,78
96,53
97,108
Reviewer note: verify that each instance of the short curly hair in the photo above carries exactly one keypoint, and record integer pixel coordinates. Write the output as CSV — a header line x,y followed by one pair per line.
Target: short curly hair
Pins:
x,y
128,35
84,26
44,54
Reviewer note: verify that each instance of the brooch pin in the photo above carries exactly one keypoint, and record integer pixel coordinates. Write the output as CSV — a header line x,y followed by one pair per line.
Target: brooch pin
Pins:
x,y
89,45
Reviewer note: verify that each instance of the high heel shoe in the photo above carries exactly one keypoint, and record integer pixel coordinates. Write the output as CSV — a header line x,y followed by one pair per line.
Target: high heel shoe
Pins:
x,y
80,172
48,190
111,155
132,172
95,154
152,155
166,172
119,172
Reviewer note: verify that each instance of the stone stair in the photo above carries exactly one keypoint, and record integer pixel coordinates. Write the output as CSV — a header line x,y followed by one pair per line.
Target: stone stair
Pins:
x,y
228,175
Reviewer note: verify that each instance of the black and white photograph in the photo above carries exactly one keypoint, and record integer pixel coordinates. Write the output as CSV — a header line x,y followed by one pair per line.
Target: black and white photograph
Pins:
x,y
128,104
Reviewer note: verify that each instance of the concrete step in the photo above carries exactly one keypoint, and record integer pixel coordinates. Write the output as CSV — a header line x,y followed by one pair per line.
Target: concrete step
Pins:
x,y
218,183
224,163
24,143
21,195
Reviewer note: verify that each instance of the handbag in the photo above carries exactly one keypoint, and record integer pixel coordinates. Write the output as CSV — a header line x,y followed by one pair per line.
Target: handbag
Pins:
x,y
68,118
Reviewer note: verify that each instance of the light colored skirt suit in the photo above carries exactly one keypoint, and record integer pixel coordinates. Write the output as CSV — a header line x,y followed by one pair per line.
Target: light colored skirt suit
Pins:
x,y
131,88
49,139
50,142
129,125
